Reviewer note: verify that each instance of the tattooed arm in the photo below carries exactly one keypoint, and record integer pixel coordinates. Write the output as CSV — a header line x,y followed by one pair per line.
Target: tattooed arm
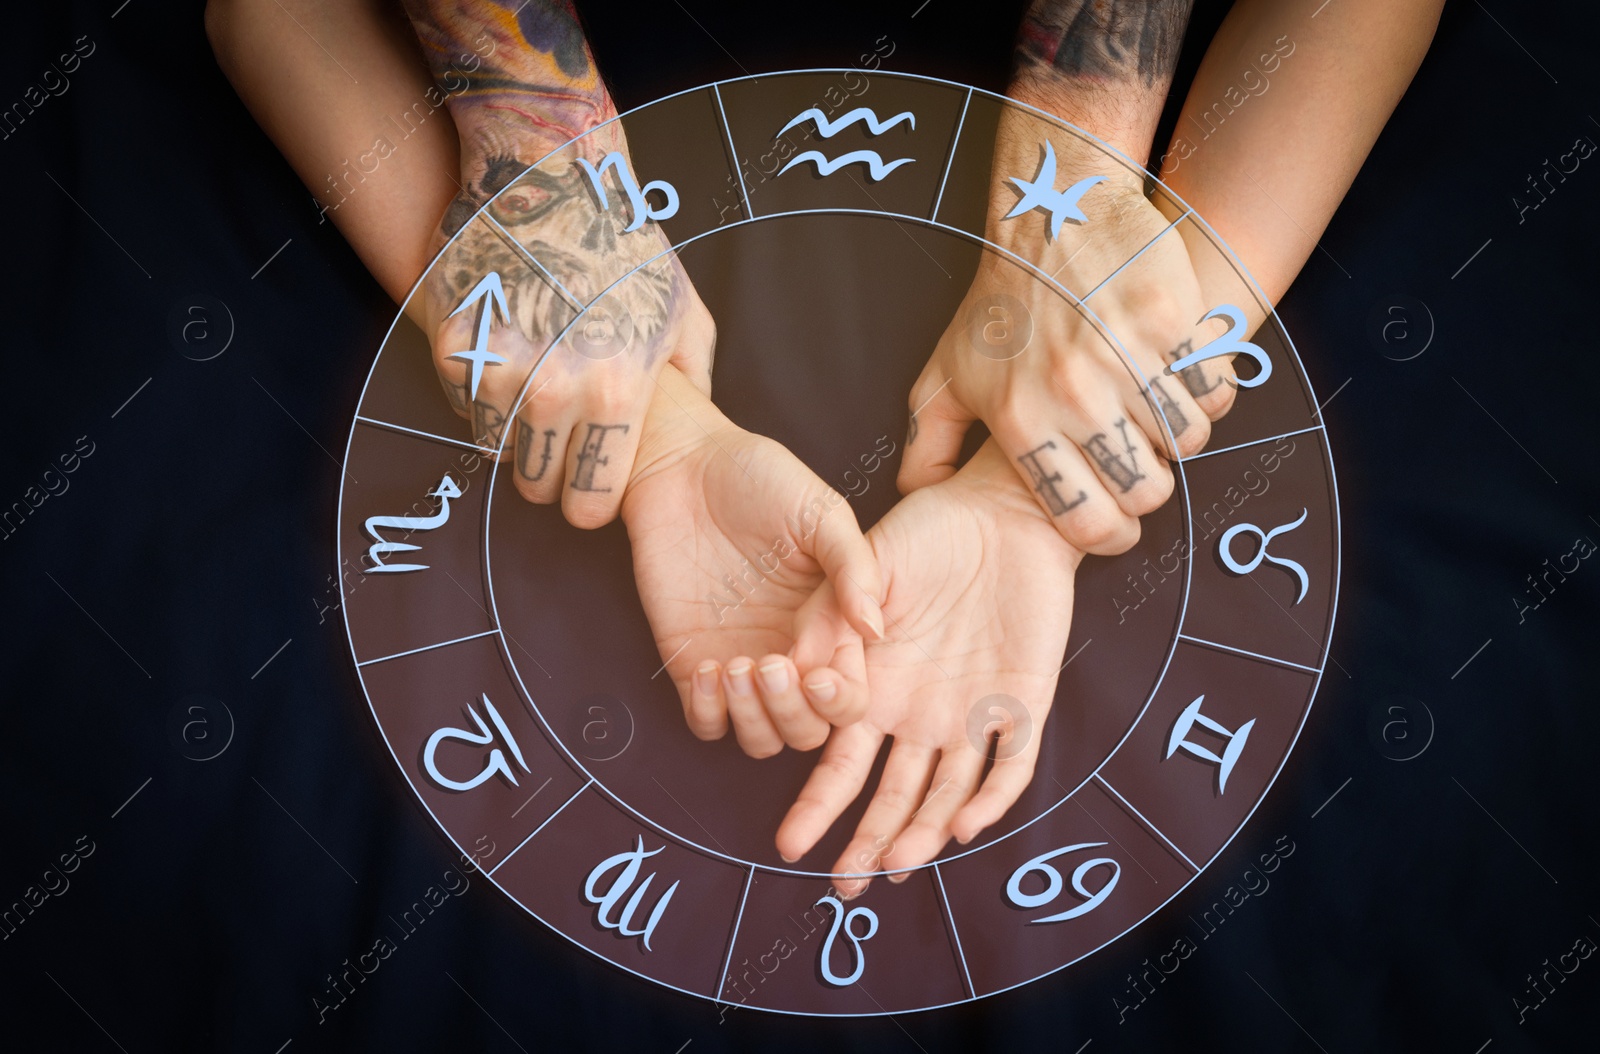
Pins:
x,y
1077,399
564,236
1104,65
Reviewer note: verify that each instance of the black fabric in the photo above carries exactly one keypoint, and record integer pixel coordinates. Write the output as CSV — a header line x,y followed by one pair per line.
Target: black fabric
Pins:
x,y
1422,907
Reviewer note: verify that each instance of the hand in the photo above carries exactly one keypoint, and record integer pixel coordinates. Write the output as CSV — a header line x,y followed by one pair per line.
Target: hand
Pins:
x,y
578,422
1072,417
564,236
731,533
978,600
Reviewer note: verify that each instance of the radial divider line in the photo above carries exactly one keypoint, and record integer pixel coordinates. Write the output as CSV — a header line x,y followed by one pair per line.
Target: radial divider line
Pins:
x,y
939,878
428,647
950,161
1136,255
1147,823
1252,654
733,153
541,827
522,250
1253,442
391,426
733,939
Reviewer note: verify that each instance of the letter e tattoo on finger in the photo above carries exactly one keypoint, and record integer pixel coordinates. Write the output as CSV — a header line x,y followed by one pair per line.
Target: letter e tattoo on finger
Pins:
x,y
589,457
1044,481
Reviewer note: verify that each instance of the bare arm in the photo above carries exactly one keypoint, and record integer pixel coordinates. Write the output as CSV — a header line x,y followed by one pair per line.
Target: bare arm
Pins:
x,y
339,86
1281,116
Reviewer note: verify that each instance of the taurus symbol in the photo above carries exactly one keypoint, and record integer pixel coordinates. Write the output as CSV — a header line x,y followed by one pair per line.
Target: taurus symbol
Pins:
x,y
1225,551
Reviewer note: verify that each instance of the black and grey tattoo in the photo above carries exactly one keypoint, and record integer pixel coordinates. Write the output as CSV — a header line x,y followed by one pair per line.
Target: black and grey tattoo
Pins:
x,y
1123,473
1044,481
1177,420
1110,40
589,457
525,453
487,424
1193,377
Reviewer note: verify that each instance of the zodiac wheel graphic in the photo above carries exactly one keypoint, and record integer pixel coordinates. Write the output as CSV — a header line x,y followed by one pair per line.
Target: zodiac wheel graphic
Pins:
x,y
829,219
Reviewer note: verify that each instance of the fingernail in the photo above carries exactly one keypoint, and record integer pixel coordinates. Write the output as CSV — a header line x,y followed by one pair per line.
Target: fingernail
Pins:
x,y
739,678
875,620
822,691
789,859
705,678
899,877
965,840
775,677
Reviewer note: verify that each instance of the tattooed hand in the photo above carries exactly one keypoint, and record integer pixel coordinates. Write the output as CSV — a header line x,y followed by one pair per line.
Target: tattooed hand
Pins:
x,y
553,256
978,599
731,533
1075,420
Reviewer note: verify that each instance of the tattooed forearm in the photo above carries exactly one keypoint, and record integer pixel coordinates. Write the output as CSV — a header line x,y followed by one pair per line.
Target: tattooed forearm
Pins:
x,y
1044,481
589,456
1104,40
520,79
1124,473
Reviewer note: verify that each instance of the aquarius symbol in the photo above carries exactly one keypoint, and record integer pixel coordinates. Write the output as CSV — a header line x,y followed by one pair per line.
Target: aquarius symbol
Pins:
x,y
490,297
828,129
607,901
1230,343
1225,551
1179,739
876,167
843,920
483,737
1041,193
446,490
1053,883
642,209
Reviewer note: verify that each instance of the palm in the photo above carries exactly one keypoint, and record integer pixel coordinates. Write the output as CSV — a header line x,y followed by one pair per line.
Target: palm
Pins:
x,y
978,604
717,549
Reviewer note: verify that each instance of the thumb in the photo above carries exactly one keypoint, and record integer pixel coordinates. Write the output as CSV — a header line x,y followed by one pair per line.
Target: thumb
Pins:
x,y
830,658
697,348
846,557
938,425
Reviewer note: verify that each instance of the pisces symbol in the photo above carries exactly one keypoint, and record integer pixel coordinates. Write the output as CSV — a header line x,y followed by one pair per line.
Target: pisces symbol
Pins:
x,y
1041,193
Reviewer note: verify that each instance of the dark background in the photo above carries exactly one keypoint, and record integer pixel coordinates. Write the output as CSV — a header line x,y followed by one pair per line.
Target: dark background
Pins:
x,y
196,540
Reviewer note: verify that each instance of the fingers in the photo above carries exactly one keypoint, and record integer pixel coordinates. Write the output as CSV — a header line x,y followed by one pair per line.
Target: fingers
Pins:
x,y
900,792
830,658
847,559
752,727
840,774
960,768
705,706
937,427
788,709
600,455
1001,788
1069,490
